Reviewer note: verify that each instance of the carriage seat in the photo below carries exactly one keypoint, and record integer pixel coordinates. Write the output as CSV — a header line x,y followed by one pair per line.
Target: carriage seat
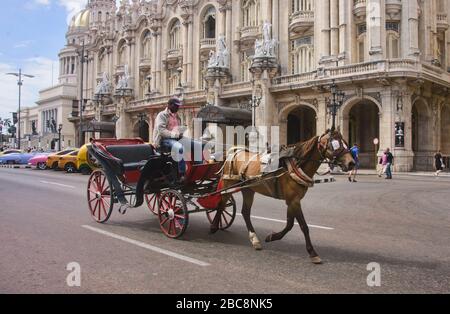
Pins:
x,y
134,157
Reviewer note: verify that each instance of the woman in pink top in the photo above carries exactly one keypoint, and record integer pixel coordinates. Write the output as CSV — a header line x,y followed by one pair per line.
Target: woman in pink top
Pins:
x,y
383,163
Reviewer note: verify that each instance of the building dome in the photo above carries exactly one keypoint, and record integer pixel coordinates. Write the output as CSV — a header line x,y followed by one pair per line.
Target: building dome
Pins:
x,y
81,20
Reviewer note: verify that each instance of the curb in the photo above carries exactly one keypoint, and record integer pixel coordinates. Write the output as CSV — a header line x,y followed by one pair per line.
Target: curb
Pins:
x,y
327,180
15,166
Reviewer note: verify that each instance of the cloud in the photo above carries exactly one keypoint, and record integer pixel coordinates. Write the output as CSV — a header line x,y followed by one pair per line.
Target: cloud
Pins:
x,y
41,68
24,43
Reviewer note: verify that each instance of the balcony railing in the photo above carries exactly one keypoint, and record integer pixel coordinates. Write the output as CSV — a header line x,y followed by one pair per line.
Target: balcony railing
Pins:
x,y
368,68
250,32
300,20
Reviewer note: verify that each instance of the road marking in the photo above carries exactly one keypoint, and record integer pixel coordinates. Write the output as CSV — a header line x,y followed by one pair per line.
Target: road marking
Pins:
x,y
148,246
58,184
277,220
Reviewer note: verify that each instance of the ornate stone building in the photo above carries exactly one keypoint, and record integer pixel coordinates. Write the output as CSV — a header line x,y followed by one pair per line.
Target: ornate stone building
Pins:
x,y
391,58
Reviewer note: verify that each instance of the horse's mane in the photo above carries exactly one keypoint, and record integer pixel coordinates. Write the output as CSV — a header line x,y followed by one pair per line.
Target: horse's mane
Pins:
x,y
303,149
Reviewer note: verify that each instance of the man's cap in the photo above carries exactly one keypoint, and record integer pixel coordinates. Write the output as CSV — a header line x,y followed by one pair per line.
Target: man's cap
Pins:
x,y
176,102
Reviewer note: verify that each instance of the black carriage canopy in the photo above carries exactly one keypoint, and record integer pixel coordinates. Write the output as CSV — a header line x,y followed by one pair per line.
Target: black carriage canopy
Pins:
x,y
101,127
225,115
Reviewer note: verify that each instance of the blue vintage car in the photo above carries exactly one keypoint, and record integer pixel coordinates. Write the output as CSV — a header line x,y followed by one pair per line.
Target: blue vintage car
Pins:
x,y
16,159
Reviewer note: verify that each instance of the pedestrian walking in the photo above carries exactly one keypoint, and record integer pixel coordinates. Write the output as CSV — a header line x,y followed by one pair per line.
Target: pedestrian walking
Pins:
x,y
383,163
438,163
389,164
355,154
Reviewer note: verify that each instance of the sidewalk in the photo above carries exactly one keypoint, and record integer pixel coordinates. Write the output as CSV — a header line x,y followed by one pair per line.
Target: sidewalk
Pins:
x,y
369,172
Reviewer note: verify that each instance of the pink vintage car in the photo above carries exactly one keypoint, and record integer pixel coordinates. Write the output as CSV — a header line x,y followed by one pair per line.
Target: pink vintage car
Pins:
x,y
39,161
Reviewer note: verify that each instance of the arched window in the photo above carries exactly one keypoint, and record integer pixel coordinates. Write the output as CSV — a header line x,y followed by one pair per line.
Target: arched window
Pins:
x,y
246,62
302,55
174,35
100,16
361,46
122,53
250,13
146,44
209,24
392,40
173,80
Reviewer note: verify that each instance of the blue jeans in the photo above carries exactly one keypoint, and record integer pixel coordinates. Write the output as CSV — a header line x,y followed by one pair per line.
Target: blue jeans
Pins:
x,y
388,171
181,150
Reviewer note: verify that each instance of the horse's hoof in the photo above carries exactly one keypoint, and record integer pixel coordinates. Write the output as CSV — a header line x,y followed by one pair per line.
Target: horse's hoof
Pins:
x,y
213,230
269,238
257,246
316,260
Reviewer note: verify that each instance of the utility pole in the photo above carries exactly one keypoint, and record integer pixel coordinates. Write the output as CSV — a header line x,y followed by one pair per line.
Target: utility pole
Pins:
x,y
83,59
19,83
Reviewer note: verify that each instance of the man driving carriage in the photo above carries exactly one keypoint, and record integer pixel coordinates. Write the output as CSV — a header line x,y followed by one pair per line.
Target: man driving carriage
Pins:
x,y
169,137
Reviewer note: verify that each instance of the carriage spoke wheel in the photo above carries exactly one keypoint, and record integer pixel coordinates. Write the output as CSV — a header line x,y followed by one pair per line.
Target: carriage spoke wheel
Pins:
x,y
173,214
100,196
227,216
152,202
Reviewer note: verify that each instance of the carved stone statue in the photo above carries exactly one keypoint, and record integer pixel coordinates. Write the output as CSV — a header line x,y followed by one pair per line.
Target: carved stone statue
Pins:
x,y
265,48
221,58
104,87
124,80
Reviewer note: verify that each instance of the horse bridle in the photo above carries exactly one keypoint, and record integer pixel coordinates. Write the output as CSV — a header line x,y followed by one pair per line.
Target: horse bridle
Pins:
x,y
338,146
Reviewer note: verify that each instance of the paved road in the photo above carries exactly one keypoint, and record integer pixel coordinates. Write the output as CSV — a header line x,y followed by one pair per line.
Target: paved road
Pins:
x,y
402,224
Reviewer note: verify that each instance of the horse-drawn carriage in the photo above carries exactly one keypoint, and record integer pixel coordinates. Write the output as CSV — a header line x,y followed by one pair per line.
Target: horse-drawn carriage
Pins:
x,y
131,172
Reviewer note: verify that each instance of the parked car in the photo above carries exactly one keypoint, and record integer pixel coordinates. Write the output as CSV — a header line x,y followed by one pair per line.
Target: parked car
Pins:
x,y
39,161
10,151
82,160
16,159
53,159
68,162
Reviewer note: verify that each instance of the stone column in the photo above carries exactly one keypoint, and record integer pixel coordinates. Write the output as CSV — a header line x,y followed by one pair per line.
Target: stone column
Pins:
x,y
322,29
387,120
334,27
322,118
376,28
190,56
184,30
404,156
158,86
154,59
410,30
344,30
266,11
229,27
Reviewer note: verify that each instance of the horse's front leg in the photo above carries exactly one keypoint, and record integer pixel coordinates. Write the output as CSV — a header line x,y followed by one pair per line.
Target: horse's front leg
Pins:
x,y
249,196
305,229
289,225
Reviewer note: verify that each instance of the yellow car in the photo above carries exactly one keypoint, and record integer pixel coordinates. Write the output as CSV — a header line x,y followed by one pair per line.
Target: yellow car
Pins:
x,y
52,160
82,160
68,162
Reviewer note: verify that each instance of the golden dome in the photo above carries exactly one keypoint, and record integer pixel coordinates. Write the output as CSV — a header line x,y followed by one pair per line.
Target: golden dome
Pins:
x,y
81,19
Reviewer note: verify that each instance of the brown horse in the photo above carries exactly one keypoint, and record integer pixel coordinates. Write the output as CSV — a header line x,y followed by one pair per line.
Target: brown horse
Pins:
x,y
307,158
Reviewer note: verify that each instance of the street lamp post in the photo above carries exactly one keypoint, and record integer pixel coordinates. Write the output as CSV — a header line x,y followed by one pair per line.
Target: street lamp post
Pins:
x,y
19,83
83,60
59,136
334,103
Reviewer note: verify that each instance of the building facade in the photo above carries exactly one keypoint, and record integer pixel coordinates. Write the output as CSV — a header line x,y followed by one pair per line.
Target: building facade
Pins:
x,y
391,58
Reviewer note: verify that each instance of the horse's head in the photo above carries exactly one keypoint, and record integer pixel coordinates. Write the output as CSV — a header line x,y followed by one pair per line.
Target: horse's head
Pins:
x,y
334,148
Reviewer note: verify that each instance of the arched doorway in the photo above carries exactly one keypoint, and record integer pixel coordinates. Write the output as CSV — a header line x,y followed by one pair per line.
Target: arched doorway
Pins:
x,y
422,136
301,125
363,128
142,130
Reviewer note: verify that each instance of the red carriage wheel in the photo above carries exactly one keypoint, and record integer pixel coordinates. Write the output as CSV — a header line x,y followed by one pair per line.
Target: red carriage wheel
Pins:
x,y
227,217
173,214
152,202
100,196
